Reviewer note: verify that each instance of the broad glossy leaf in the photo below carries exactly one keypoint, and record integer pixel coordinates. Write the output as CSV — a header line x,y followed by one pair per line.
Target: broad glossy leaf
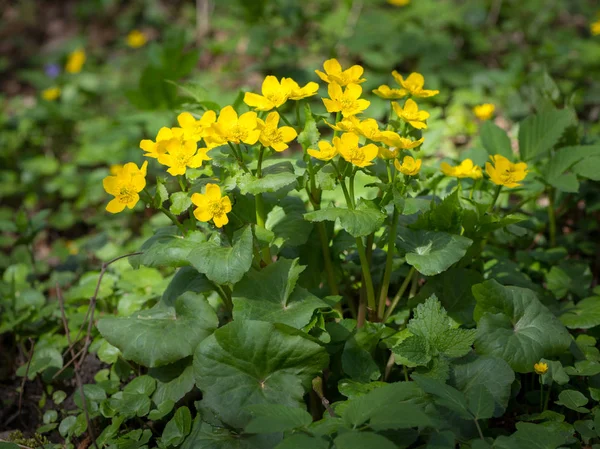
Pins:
x,y
362,440
177,428
446,395
275,177
224,264
167,248
514,325
207,436
163,334
303,441
584,315
481,402
186,279
272,418
565,158
287,223
362,221
253,362
173,381
431,252
538,133
573,400
271,294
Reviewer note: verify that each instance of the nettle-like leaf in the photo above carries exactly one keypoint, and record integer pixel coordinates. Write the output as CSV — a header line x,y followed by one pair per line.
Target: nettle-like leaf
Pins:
x,y
433,334
163,334
431,252
272,295
514,325
495,140
254,362
539,133
224,264
364,220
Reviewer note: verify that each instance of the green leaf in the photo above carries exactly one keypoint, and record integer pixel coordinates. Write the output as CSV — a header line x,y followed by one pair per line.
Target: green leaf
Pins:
x,y
514,325
303,441
412,351
556,373
271,294
357,356
445,395
362,440
163,334
173,381
565,158
186,279
492,372
495,140
274,178
362,221
585,314
180,202
271,418
253,362
141,385
309,137
162,410
432,252
574,400
481,402
536,436
287,223
177,428
167,249
224,265
539,133
207,436
589,168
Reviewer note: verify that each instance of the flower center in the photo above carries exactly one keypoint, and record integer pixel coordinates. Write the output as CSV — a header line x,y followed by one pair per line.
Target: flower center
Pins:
x,y
276,98
236,133
508,176
273,135
182,160
216,208
126,194
356,154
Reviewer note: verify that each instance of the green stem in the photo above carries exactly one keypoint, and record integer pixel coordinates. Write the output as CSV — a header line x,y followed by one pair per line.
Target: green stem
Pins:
x,y
479,429
551,217
366,274
298,113
495,198
239,158
283,117
541,395
333,288
173,218
547,397
182,183
389,171
343,184
385,284
401,291
261,215
338,116
352,197
225,293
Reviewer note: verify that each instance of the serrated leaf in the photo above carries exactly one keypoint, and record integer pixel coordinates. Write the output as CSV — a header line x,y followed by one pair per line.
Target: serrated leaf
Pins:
x,y
180,202
495,140
539,133
362,221
412,351
309,137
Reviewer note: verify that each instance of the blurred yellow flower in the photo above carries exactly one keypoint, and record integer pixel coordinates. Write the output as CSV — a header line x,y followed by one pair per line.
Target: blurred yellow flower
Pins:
x,y
182,155
274,137
348,147
348,124
484,111
540,368
115,169
125,186
231,128
51,94
345,101
414,85
274,94
387,153
196,129
211,206
72,247
326,151
504,172
399,2
466,169
136,39
163,138
595,28
393,139
75,61
298,93
384,91
411,114
335,74
409,166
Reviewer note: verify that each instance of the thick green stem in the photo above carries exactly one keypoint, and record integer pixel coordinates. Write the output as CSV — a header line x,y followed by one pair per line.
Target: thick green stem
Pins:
x,y
352,197
225,293
401,291
338,116
333,288
366,271
343,184
551,217
495,198
261,215
541,395
387,275
182,185
239,157
479,429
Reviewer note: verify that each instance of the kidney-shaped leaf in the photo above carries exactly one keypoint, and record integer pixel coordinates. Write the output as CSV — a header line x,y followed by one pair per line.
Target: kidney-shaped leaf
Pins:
x,y
363,220
163,334
253,362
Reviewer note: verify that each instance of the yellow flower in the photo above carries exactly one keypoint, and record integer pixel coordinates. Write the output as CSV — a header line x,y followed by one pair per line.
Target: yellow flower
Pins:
x,y
164,137
274,137
196,129
484,111
51,94
393,139
274,94
466,169
297,92
399,2
368,128
326,151
125,186
411,114
347,101
211,206
115,169
348,147
384,91
595,28
504,172
387,153
335,74
409,166
234,129
540,368
72,247
136,39
414,85
182,154
348,124
75,61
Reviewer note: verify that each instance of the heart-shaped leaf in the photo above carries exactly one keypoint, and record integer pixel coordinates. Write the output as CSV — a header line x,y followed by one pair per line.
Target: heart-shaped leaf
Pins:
x,y
363,220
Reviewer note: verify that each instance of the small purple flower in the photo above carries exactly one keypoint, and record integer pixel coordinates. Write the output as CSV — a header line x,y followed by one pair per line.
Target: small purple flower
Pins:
x,y
52,70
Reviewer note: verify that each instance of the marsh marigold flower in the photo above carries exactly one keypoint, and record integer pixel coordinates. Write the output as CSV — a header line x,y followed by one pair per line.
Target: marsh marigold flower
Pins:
x,y
196,129
212,206
164,137
136,39
505,173
348,147
393,139
386,92
326,151
413,84
540,368
334,73
274,137
51,94
75,61
125,186
345,101
484,111
595,28
466,169
298,93
182,155
274,94
411,114
231,128
409,166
